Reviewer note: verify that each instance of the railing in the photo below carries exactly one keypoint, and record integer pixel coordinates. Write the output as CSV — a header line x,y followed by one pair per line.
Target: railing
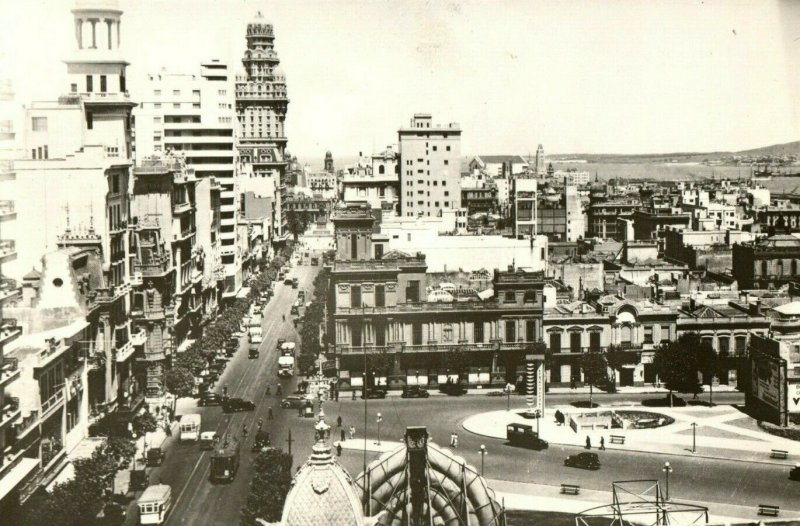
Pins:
x,y
437,306
51,350
126,351
8,327
6,207
7,247
101,96
154,314
52,402
8,288
11,405
437,348
155,267
139,338
9,367
179,208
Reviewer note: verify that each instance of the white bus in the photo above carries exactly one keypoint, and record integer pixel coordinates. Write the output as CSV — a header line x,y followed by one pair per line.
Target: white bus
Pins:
x,y
154,504
190,427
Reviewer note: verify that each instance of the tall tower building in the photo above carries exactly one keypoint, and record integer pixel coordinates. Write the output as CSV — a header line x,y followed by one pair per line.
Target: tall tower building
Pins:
x,y
430,167
261,104
540,164
329,162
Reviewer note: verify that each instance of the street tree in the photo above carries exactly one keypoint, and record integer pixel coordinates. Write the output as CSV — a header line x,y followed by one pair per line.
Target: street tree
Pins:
x,y
144,423
296,223
271,482
708,365
179,381
676,364
595,371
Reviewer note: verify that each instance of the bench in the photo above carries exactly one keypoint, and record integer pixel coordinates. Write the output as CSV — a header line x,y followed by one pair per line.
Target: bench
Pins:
x,y
779,453
617,439
768,509
570,489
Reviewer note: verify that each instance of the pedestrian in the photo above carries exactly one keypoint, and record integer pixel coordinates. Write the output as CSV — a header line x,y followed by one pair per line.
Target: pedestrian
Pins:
x,y
300,411
336,394
284,317
353,392
455,441
260,424
602,443
588,442
572,383
341,433
279,390
167,430
244,431
339,449
452,440
352,432
269,391
269,414
339,421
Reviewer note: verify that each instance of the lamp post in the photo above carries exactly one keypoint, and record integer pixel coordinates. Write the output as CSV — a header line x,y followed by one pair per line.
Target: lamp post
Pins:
x,y
694,437
667,469
483,455
508,396
379,420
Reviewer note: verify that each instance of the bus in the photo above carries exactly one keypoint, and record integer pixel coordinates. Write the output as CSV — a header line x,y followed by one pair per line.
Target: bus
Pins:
x,y
190,427
154,504
225,461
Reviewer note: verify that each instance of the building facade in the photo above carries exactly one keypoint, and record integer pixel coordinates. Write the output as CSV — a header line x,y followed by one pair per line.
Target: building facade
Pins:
x,y
768,263
430,167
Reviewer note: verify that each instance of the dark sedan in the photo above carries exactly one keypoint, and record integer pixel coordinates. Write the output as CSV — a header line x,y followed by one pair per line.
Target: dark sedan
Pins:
x,y
414,391
234,405
374,392
583,461
209,398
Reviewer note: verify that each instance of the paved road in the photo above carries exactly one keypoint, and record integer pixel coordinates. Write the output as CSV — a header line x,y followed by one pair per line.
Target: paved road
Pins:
x,y
694,479
186,468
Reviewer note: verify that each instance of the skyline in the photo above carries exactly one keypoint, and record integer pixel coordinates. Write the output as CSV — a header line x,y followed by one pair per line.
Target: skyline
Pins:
x,y
475,64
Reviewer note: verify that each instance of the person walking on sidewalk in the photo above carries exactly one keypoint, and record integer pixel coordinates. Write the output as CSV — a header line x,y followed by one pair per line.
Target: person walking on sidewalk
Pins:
x,y
602,443
339,449
588,442
455,441
339,421
269,414
352,432
341,434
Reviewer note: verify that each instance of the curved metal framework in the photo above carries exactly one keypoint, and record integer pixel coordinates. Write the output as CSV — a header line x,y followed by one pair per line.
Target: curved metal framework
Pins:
x,y
640,502
421,483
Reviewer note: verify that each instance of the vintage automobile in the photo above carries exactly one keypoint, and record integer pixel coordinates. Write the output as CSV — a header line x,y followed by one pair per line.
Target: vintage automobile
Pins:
x,y
295,401
155,456
374,392
414,391
208,440
209,398
523,435
583,461
234,405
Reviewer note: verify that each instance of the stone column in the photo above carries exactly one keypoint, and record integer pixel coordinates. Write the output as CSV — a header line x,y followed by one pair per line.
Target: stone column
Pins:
x,y
109,22
94,21
118,26
79,32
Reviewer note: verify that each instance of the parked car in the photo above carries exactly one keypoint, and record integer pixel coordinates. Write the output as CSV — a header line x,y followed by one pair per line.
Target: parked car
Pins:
x,y
375,392
794,474
453,389
523,435
414,391
210,398
287,281
155,456
295,283
583,461
233,405
208,440
295,401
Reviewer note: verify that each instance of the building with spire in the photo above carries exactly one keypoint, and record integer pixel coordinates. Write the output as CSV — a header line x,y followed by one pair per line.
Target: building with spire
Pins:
x,y
261,104
329,162
540,163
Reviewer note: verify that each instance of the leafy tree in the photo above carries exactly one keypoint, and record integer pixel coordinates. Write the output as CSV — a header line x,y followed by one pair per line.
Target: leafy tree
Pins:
x,y
380,363
268,488
144,423
595,371
296,223
179,381
616,357
708,365
119,450
676,364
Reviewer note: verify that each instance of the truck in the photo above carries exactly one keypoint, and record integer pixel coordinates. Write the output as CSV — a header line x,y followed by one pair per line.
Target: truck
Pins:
x,y
285,366
288,348
255,335
225,461
190,427
154,504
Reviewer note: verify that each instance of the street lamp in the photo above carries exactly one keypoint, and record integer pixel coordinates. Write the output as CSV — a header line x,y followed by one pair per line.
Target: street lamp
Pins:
x,y
379,420
666,469
694,437
508,396
483,455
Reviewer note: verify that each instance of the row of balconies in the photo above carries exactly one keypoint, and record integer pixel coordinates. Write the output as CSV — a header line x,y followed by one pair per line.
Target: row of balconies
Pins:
x,y
157,266
9,370
435,347
8,289
9,329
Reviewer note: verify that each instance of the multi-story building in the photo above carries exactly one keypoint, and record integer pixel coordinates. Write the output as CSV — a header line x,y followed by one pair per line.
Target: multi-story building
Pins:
x,y
430,167
329,163
540,162
480,200
498,165
261,104
392,309
81,146
650,224
603,216
766,263
167,263
523,198
314,209
193,115
323,183
377,184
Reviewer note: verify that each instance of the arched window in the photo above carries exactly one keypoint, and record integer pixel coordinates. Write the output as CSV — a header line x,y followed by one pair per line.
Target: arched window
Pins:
x,y
381,169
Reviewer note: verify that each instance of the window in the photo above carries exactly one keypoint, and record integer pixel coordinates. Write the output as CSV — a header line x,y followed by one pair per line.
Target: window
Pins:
x,y
380,295
416,334
530,331
434,148
39,124
196,92
122,84
447,332
353,246
509,296
448,148
594,340
511,331
381,169
89,120
103,84
33,153
89,83
196,105
446,193
724,346
176,105
355,333
555,342
355,296
157,105
477,332
73,88
412,291
648,334
575,342
45,151
157,120
222,92
176,92
157,92
446,162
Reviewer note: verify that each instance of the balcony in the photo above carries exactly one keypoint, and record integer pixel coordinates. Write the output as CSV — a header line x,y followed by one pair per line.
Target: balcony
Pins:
x,y
125,352
10,411
7,210
8,289
139,338
8,250
423,307
107,295
95,97
9,330
495,346
182,208
52,404
155,267
16,467
154,314
53,350
184,234
9,371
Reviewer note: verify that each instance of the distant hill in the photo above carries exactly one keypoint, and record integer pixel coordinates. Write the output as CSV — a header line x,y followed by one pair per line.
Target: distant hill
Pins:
x,y
789,148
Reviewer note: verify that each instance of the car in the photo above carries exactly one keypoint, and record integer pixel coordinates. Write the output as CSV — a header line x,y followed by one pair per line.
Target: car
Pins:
x,y
794,474
287,281
374,392
414,391
452,389
234,405
208,440
155,456
253,353
523,435
295,283
583,461
295,401
210,398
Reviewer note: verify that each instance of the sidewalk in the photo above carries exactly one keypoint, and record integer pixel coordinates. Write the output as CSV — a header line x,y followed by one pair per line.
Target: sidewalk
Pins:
x,y
647,389
713,436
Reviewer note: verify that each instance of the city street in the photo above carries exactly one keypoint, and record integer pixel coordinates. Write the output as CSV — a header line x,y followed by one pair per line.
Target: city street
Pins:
x,y
186,468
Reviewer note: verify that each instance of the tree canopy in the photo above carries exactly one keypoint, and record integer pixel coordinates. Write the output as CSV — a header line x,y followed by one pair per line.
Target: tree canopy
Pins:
x,y
271,482
676,363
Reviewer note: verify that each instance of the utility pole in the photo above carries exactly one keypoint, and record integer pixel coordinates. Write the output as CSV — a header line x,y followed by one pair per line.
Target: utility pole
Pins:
x,y
694,437
289,440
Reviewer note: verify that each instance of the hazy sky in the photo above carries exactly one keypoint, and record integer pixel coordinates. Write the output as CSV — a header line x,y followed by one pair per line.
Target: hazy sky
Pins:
x,y
600,76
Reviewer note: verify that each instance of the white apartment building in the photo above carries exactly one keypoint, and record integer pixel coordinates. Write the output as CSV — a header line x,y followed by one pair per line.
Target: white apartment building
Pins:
x,y
194,115
430,166
378,184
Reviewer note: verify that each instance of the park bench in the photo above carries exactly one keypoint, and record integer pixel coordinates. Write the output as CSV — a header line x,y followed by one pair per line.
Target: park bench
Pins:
x,y
779,453
570,489
617,439
768,509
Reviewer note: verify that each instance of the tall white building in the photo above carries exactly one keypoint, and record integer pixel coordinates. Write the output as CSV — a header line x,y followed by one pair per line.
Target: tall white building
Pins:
x,y
194,115
540,163
430,167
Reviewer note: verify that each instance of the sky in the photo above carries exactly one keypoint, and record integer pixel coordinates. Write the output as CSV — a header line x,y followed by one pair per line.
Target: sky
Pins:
x,y
610,76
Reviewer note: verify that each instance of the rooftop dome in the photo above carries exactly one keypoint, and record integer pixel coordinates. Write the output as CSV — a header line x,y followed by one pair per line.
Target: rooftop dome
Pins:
x,y
278,73
322,491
